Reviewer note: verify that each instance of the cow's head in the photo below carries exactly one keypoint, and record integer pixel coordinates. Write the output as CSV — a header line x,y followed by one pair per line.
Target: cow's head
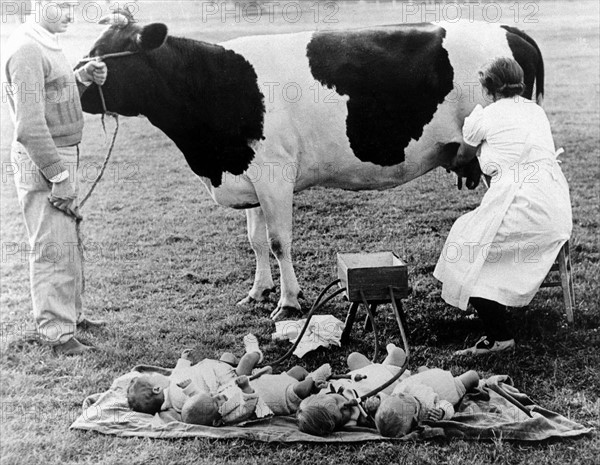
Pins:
x,y
130,78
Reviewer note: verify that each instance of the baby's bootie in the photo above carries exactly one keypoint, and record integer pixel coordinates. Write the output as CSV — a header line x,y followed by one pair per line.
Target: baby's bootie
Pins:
x,y
396,355
251,345
321,375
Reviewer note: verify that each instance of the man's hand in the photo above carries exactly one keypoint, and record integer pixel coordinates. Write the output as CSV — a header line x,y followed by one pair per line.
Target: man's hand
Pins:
x,y
94,71
435,414
185,383
64,198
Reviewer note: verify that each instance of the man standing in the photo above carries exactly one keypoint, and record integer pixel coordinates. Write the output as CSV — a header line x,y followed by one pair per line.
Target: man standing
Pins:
x,y
44,93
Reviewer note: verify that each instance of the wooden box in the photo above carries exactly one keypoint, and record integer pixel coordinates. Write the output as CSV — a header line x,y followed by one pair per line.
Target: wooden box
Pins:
x,y
373,273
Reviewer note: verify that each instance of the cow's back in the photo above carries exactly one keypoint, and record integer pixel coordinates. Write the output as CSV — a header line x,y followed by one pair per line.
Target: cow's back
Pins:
x,y
368,108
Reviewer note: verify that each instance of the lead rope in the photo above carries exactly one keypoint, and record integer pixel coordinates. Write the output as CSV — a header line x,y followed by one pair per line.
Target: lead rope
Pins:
x,y
96,181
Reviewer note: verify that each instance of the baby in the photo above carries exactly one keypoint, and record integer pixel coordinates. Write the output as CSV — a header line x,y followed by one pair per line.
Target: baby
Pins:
x,y
328,411
429,395
155,392
247,397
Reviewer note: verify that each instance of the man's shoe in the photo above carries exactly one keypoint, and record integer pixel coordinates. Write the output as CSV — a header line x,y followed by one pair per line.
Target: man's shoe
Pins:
x,y
89,325
486,345
72,347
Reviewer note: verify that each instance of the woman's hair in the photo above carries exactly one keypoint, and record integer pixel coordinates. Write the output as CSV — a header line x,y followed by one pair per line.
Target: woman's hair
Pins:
x,y
318,415
142,398
503,78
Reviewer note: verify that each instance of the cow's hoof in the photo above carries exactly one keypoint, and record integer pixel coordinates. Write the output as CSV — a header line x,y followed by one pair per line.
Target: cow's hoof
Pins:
x,y
249,300
267,292
286,313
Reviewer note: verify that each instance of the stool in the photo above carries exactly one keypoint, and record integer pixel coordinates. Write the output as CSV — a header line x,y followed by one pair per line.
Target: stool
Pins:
x,y
367,325
372,279
562,265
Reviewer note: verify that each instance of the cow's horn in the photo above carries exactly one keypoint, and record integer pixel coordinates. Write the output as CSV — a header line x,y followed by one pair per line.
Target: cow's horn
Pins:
x,y
115,18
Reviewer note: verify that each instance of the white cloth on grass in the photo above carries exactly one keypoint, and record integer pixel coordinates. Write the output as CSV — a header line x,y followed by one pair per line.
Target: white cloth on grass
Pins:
x,y
322,331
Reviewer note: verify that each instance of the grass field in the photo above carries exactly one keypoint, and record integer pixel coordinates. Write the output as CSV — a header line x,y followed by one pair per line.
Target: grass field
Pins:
x,y
165,267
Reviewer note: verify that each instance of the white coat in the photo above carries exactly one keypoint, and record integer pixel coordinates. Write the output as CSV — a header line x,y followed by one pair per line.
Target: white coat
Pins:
x,y
503,250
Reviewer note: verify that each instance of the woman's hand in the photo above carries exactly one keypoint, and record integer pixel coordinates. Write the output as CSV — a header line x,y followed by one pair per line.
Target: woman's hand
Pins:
x,y
464,156
465,164
471,172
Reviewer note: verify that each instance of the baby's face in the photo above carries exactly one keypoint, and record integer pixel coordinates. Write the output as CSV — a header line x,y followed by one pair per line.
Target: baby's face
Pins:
x,y
152,383
217,401
337,403
159,380
403,406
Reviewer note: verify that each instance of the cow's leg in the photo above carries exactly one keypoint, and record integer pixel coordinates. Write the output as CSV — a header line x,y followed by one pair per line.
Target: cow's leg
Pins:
x,y
257,235
277,205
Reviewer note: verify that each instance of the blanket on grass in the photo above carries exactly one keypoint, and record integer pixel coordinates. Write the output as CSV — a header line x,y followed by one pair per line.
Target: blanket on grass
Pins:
x,y
482,414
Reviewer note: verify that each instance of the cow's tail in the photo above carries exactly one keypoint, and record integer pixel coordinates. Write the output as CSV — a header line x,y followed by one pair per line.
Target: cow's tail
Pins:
x,y
539,69
539,73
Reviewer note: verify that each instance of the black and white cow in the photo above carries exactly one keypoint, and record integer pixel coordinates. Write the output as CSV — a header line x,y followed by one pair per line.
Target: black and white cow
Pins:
x,y
259,118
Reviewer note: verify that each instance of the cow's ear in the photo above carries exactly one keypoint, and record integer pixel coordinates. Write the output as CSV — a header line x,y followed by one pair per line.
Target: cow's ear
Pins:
x,y
152,36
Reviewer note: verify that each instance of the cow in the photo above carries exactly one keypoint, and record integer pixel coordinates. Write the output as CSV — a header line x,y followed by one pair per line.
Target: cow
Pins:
x,y
259,118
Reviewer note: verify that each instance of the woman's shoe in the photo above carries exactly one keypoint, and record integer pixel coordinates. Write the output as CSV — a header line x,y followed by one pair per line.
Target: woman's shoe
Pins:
x,y
485,345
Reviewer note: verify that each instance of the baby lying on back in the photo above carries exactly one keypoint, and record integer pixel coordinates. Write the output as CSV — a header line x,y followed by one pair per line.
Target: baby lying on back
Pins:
x,y
243,399
217,392
428,395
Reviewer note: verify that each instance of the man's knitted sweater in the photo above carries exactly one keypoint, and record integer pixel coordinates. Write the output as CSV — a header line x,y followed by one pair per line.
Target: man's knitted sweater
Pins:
x,y
43,96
